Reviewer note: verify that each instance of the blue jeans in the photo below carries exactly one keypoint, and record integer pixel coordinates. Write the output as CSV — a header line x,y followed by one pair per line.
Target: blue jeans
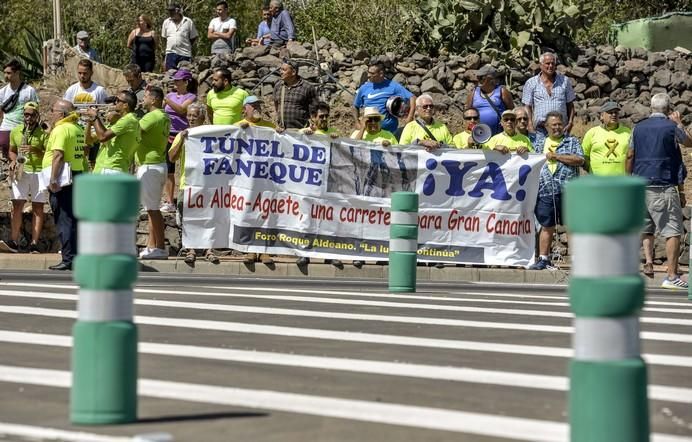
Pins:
x,y
172,60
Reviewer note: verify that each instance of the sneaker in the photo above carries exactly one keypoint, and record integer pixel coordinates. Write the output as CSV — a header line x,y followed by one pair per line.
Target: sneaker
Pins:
x,y
674,284
33,248
167,207
9,246
358,263
145,251
541,264
154,254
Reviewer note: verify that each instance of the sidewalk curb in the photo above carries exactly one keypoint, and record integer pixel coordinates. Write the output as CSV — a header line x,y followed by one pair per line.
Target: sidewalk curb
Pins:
x,y
320,270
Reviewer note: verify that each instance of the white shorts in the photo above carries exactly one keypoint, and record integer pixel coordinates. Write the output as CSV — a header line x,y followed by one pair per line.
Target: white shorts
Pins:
x,y
110,172
27,189
152,177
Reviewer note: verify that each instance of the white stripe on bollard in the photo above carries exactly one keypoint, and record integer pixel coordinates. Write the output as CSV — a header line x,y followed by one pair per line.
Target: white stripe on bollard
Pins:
x,y
596,256
403,218
105,305
403,245
96,238
606,339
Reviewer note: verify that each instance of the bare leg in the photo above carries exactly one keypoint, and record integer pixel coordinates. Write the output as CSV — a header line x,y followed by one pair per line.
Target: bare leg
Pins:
x,y
16,222
648,245
672,255
156,237
38,219
169,188
545,240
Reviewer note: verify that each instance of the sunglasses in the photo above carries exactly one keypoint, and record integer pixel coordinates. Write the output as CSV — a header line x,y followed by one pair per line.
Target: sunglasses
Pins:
x,y
322,117
509,119
427,106
523,118
373,120
30,114
472,118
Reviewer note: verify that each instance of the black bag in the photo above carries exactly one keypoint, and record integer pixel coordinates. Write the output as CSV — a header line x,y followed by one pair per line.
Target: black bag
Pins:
x,y
11,102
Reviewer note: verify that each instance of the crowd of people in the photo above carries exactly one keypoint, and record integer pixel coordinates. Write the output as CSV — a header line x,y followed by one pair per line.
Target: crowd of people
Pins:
x,y
143,129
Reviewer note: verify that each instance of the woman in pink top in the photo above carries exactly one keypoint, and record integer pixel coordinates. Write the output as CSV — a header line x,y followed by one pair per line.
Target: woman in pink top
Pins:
x,y
176,104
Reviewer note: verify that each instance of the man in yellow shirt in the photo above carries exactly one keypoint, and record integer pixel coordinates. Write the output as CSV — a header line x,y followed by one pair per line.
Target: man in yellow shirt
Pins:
x,y
319,122
424,130
371,129
225,102
65,149
605,146
252,114
121,139
509,140
463,140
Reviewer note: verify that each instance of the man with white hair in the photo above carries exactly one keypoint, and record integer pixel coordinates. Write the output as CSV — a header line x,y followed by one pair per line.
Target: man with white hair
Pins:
x,y
546,92
281,28
654,154
424,130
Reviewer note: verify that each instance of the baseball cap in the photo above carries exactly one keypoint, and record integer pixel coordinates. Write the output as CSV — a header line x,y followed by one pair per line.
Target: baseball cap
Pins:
x,y
182,74
509,112
81,35
609,106
485,71
31,105
252,99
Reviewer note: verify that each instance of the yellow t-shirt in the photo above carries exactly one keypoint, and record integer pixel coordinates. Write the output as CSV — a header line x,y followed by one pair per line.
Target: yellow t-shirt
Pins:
x,y
118,152
227,105
260,123
550,145
36,139
329,131
413,131
377,137
511,142
461,141
68,137
606,150
181,156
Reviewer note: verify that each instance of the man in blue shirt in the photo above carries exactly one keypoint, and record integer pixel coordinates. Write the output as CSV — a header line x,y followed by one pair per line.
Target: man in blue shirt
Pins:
x,y
375,93
282,29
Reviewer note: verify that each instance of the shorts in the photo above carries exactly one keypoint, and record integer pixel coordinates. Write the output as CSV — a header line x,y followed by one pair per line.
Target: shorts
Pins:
x,y
172,60
5,143
152,178
663,211
169,164
109,172
27,189
549,210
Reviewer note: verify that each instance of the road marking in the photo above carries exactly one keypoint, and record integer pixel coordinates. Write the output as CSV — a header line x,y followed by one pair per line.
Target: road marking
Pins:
x,y
240,327
654,336
351,409
384,368
32,432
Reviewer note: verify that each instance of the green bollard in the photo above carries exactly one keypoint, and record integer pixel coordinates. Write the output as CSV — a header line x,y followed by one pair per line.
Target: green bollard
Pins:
x,y
608,378
403,242
104,349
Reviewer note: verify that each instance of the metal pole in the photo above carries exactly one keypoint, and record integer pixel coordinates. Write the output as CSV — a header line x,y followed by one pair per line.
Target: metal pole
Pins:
x,y
608,378
403,242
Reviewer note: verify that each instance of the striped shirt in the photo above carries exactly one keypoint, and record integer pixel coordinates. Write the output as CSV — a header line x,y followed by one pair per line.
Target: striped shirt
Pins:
x,y
541,102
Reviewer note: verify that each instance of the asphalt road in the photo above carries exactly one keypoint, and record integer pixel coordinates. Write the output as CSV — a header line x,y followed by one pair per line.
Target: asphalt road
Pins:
x,y
247,359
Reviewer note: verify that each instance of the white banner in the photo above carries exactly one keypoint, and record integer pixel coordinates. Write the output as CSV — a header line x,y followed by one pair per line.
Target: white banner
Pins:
x,y
257,191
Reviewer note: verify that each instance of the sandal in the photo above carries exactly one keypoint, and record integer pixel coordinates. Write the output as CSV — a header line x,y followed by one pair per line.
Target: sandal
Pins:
x,y
211,257
190,257
648,269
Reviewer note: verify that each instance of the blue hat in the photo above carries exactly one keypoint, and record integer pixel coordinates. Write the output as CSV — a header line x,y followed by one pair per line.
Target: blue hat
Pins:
x,y
252,99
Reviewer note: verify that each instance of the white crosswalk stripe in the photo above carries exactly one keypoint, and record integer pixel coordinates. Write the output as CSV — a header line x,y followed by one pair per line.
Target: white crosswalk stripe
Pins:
x,y
368,333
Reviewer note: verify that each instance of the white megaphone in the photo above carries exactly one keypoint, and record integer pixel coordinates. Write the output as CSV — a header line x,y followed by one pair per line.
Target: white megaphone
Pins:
x,y
481,133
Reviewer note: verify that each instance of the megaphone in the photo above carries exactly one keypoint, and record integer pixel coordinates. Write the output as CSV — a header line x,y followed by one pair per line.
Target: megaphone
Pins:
x,y
481,133
397,106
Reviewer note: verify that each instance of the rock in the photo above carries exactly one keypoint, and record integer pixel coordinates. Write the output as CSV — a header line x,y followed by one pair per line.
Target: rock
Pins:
x,y
400,78
360,54
297,50
404,69
661,77
614,83
338,56
678,80
308,72
682,65
415,90
599,79
323,43
585,61
360,75
473,61
414,80
640,53
268,61
247,65
635,65
579,88
602,69
248,83
576,71
432,85
657,59
421,60
253,52
592,92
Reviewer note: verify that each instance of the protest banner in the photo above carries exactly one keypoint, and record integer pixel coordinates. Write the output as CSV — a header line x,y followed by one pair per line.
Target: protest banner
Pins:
x,y
258,191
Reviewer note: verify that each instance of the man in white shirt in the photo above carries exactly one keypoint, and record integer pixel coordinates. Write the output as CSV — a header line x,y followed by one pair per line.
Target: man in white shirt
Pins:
x,y
84,48
13,96
221,31
180,34
85,91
